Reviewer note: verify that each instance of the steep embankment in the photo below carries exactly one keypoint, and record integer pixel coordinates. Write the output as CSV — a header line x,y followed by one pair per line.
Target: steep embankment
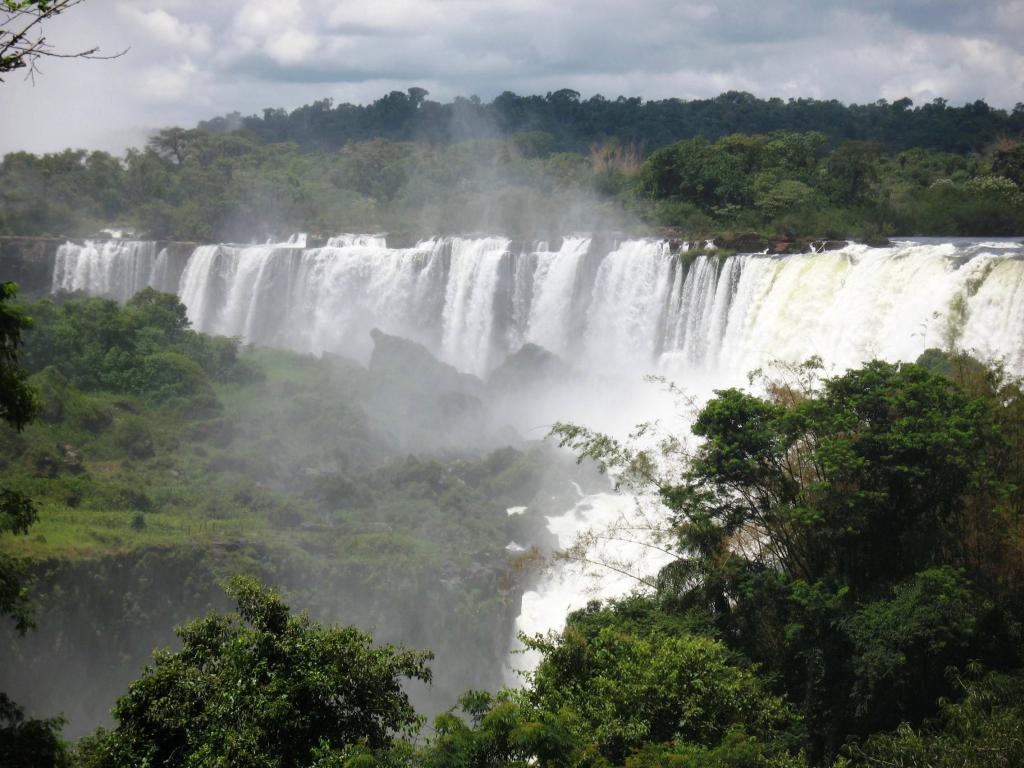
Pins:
x,y
297,470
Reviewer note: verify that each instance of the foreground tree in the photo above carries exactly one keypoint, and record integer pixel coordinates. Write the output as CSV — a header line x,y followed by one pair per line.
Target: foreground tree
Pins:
x,y
507,731
629,689
857,537
984,729
261,688
607,693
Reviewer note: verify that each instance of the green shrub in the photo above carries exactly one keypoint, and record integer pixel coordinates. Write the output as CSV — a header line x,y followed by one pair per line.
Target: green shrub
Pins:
x,y
61,402
131,434
170,374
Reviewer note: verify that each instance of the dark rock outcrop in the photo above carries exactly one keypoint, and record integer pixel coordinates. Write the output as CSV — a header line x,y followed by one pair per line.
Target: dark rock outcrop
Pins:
x,y
398,362
426,405
28,261
528,367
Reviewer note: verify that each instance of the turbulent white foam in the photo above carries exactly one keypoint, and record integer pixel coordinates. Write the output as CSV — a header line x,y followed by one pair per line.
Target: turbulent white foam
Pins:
x,y
372,241
619,532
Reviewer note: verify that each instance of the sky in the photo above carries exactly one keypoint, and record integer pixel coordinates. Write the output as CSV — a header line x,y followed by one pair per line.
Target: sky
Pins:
x,y
189,60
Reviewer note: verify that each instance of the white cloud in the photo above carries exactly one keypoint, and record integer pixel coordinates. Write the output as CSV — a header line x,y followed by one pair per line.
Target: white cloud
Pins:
x,y
167,84
194,59
168,30
291,46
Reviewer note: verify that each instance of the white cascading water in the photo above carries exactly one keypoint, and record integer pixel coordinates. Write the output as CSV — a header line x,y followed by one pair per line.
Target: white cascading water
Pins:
x,y
616,312
340,241
473,301
549,312
114,269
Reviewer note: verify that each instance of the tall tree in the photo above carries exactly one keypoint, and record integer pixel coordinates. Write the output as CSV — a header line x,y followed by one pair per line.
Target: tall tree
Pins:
x,y
855,536
261,688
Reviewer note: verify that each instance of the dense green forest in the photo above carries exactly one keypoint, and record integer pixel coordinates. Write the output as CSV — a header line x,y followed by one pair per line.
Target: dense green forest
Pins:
x,y
534,167
576,124
847,587
160,461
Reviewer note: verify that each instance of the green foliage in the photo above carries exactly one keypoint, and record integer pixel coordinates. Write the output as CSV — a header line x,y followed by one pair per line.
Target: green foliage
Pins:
x,y
397,165
18,406
576,124
628,690
867,477
30,743
782,183
852,170
711,176
904,645
24,742
144,347
857,537
171,374
132,435
17,513
261,688
60,402
736,750
504,730
1009,164
292,474
984,728
18,403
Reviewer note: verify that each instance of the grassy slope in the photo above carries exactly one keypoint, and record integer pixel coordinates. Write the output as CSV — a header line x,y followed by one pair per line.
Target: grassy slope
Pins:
x,y
293,478
289,460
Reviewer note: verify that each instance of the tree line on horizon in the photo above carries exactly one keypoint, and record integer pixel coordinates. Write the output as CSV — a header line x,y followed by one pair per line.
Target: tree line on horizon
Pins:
x,y
576,124
541,166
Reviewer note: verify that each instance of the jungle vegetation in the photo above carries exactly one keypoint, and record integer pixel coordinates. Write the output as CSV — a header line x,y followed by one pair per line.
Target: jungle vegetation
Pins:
x,y
534,166
848,580
847,589
161,462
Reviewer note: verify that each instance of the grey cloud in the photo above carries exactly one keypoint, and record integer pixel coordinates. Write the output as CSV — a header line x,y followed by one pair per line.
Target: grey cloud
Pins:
x,y
192,59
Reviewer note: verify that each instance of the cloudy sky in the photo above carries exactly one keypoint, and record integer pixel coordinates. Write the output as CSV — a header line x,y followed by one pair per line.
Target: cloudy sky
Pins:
x,y
193,59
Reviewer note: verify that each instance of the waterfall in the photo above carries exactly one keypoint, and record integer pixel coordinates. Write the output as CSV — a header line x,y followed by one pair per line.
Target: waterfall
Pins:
x,y
555,278
631,293
729,315
114,269
633,307
571,585
469,303
614,312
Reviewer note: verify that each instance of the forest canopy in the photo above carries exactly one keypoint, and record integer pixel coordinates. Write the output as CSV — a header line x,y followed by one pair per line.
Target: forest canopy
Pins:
x,y
846,591
536,166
